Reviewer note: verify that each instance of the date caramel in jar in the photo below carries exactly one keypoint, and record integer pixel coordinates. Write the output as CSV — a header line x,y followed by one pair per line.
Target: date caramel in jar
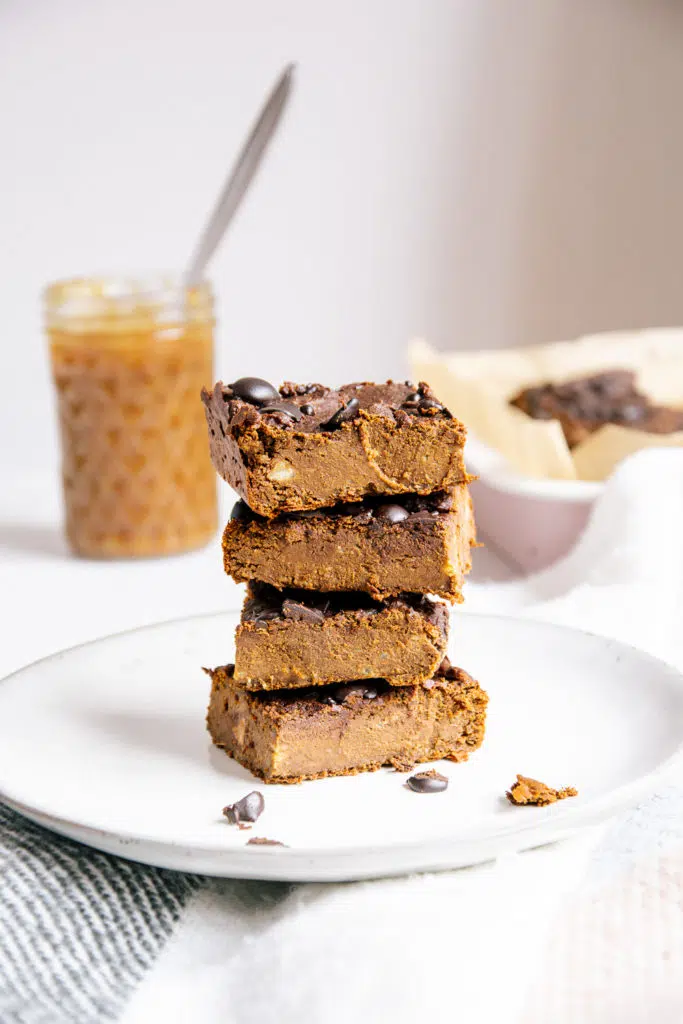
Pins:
x,y
129,360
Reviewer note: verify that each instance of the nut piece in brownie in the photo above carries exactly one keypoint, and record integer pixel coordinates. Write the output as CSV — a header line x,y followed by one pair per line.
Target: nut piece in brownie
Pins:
x,y
292,735
297,638
587,403
307,446
384,547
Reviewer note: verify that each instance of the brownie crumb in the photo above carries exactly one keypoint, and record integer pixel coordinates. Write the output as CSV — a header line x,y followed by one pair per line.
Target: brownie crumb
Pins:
x,y
262,841
530,792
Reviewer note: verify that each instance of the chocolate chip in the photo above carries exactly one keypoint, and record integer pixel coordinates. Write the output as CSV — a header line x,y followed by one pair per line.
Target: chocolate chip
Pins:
x,y
287,408
341,693
362,516
391,513
254,390
241,513
262,613
299,612
445,665
262,841
444,503
429,405
427,782
347,412
227,394
307,409
412,399
409,383
249,808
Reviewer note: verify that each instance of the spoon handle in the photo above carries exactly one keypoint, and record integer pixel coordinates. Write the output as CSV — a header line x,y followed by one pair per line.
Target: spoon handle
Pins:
x,y
241,175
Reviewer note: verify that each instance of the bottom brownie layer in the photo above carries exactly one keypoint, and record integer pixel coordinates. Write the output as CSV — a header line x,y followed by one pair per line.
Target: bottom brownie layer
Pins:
x,y
293,735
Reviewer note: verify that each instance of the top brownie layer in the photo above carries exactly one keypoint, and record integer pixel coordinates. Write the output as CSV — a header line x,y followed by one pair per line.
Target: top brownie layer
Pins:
x,y
307,446
309,408
584,405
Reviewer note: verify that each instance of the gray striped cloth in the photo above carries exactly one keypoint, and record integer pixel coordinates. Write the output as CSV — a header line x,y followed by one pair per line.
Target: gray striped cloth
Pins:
x,y
78,929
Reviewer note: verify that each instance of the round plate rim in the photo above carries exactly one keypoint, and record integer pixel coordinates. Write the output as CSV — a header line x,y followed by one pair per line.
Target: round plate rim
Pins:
x,y
547,825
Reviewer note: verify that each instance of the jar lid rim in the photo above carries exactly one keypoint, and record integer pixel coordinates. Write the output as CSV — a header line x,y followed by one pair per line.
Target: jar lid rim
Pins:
x,y
124,294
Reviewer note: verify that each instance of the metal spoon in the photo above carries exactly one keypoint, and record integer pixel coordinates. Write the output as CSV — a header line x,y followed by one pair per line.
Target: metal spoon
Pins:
x,y
241,176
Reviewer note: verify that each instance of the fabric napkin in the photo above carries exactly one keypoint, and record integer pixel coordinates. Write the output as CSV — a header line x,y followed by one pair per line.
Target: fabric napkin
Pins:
x,y
88,938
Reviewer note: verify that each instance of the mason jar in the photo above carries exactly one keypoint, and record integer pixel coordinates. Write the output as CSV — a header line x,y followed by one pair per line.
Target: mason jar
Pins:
x,y
129,359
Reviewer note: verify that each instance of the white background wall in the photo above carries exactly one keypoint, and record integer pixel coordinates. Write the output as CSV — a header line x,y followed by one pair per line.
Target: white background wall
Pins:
x,y
481,173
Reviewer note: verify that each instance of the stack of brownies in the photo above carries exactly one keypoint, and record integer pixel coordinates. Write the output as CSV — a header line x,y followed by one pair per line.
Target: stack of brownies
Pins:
x,y
354,507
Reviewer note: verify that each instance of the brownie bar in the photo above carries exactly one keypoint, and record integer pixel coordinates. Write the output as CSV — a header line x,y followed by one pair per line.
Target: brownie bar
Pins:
x,y
584,405
295,638
292,735
308,446
417,544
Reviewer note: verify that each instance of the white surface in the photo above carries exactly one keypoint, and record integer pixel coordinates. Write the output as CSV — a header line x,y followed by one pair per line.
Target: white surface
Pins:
x,y
125,117
566,707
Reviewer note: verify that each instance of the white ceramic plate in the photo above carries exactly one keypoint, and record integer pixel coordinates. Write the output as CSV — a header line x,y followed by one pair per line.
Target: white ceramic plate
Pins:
x,y
106,743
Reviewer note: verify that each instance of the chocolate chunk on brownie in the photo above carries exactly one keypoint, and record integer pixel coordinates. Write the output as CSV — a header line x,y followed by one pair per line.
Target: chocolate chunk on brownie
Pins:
x,y
290,638
292,735
420,544
308,446
587,403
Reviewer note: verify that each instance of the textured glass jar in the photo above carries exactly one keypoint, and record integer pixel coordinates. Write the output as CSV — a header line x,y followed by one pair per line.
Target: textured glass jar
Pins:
x,y
129,358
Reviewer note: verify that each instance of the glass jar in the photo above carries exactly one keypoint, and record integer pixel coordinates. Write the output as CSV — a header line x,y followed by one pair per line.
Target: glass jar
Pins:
x,y
129,358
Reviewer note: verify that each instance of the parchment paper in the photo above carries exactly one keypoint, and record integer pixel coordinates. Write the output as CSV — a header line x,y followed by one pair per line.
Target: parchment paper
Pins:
x,y
477,386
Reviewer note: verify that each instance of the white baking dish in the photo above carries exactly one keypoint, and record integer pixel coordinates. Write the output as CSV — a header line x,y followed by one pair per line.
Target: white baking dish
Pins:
x,y
529,522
